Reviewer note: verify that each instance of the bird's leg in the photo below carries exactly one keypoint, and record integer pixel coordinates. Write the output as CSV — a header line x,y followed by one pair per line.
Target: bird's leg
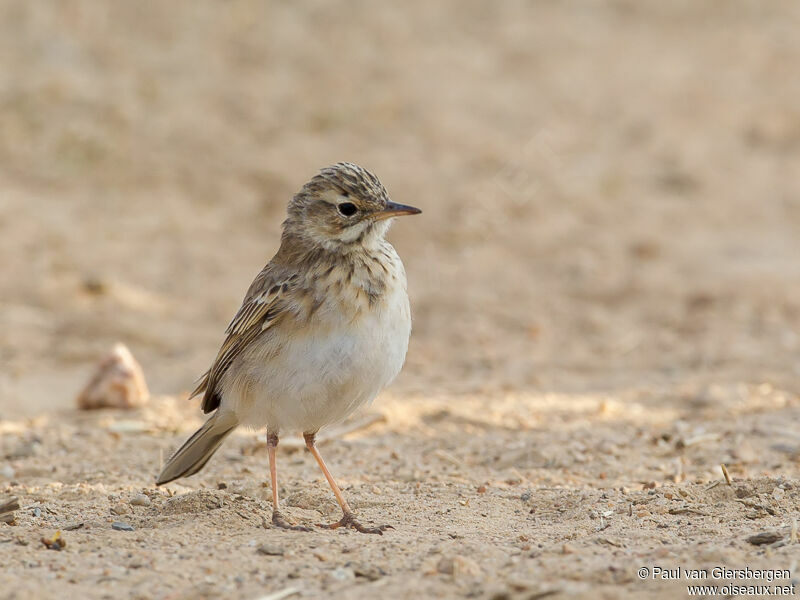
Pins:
x,y
348,519
277,518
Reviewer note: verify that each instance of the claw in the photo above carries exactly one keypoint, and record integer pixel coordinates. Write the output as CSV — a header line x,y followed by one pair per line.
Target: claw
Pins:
x,y
278,520
349,521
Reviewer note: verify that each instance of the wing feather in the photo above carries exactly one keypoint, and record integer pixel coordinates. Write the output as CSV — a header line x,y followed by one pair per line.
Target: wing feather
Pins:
x,y
267,299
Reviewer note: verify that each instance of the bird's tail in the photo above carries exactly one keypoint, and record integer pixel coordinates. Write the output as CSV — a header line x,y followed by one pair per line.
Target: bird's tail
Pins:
x,y
195,452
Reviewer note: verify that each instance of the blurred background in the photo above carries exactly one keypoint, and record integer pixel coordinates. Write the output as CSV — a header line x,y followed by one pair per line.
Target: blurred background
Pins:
x,y
605,286
611,190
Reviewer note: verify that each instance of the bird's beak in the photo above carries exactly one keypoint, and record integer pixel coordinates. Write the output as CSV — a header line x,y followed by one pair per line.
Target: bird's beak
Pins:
x,y
396,210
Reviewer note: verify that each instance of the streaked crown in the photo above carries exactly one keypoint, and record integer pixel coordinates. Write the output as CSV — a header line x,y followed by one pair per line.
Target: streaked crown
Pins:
x,y
342,205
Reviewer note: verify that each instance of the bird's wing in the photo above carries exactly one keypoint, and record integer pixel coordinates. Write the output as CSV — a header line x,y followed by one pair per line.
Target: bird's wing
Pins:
x,y
268,298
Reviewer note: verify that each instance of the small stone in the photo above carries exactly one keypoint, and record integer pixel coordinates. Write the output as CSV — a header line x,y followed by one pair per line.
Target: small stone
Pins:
x,y
481,489
141,500
525,496
369,572
567,549
56,542
458,565
25,449
118,382
221,485
37,512
95,285
765,537
120,509
270,550
465,566
778,493
7,472
121,526
342,574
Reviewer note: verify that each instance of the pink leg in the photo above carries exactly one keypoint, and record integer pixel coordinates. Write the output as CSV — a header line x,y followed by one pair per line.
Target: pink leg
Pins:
x,y
277,518
348,519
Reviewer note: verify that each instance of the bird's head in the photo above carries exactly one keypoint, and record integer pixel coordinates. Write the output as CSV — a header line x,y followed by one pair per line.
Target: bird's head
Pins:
x,y
342,207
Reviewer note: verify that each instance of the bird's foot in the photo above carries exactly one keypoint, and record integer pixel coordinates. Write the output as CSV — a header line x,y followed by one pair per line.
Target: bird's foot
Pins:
x,y
278,520
349,520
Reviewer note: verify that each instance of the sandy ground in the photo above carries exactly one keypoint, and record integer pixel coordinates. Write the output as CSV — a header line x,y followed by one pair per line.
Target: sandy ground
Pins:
x,y
605,285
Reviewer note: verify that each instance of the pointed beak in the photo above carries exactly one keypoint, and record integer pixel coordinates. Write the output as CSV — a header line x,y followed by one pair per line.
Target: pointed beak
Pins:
x,y
396,210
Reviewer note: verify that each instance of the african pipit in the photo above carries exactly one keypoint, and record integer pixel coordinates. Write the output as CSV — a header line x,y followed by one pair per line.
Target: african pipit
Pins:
x,y
322,329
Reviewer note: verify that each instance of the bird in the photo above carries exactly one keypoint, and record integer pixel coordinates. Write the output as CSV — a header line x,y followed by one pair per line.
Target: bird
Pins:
x,y
322,329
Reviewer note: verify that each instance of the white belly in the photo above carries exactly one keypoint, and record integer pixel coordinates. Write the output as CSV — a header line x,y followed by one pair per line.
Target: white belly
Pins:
x,y
324,371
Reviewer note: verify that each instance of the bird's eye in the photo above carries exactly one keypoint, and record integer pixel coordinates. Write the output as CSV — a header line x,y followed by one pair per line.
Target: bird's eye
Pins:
x,y
348,209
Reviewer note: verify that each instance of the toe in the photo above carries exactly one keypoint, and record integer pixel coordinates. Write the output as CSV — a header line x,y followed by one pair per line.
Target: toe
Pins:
x,y
374,530
278,520
349,521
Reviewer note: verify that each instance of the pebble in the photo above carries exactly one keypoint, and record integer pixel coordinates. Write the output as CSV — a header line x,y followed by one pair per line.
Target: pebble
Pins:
x,y
26,449
120,509
120,526
118,382
141,500
765,537
342,574
270,550
458,565
7,472
37,512
56,542
369,572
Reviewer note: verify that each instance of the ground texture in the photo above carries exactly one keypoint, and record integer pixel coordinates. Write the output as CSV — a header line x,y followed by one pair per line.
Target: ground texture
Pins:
x,y
605,286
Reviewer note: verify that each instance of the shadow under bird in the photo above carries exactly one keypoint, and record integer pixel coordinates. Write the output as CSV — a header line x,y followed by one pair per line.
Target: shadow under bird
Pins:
x,y
322,329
